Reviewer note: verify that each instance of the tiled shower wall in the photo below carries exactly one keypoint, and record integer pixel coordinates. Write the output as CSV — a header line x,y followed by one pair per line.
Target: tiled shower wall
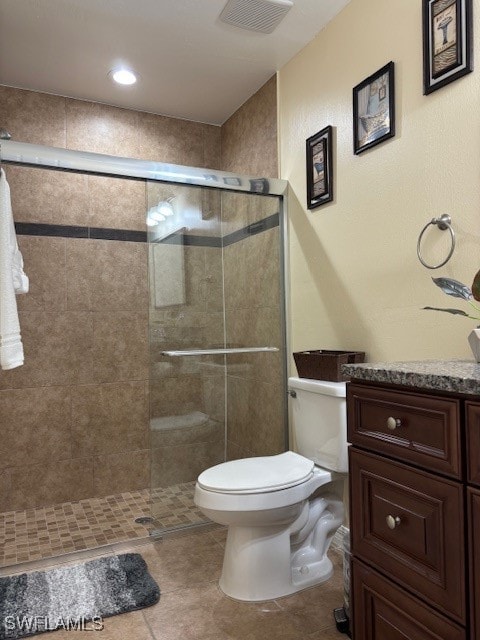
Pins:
x,y
75,417
253,297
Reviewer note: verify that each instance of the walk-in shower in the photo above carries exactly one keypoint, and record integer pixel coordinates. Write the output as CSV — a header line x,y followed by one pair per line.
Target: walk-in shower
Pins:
x,y
196,359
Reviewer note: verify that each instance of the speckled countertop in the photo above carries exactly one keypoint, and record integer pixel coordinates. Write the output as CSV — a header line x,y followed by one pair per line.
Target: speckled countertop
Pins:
x,y
460,376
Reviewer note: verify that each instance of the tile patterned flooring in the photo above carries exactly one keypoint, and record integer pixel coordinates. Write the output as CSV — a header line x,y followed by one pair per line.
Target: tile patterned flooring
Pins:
x,y
187,566
47,532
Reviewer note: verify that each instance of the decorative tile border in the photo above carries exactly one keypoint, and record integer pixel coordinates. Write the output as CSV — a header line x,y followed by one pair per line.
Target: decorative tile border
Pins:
x,y
128,235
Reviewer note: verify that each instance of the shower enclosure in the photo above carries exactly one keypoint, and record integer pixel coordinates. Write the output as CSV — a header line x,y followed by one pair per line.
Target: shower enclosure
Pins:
x,y
216,324
217,345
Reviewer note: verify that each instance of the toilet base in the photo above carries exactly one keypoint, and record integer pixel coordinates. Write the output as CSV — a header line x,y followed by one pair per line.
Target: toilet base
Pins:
x,y
269,562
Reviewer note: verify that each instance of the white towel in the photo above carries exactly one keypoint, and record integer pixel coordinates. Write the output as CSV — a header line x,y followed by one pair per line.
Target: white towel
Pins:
x,y
12,280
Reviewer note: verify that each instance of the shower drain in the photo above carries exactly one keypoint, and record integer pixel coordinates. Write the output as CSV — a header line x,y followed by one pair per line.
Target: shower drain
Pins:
x,y
144,520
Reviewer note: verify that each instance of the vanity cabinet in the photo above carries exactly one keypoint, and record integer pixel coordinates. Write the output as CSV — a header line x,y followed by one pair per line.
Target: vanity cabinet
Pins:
x,y
414,512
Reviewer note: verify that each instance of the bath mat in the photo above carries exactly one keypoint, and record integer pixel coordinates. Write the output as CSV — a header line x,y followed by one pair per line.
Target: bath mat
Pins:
x,y
74,597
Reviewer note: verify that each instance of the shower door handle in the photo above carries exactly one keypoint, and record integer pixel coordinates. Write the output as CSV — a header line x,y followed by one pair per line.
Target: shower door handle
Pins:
x,y
217,352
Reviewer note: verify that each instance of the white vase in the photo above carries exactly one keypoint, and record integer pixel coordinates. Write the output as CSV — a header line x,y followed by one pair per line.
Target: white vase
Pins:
x,y
474,342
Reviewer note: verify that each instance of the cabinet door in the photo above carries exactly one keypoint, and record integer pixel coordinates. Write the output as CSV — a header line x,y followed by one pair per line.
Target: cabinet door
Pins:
x,y
420,429
383,611
474,555
410,525
473,441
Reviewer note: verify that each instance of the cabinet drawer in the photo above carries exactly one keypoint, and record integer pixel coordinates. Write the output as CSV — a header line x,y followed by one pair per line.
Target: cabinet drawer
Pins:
x,y
383,611
410,525
423,430
474,561
473,441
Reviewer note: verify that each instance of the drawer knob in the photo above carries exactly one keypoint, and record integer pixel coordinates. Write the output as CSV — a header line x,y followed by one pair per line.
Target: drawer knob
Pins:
x,y
393,423
393,522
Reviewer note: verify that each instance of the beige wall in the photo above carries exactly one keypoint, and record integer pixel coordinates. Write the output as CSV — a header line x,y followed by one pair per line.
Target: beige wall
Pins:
x,y
356,282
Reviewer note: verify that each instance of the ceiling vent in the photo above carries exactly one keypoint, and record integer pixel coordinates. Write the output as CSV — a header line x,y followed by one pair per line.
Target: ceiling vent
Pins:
x,y
256,15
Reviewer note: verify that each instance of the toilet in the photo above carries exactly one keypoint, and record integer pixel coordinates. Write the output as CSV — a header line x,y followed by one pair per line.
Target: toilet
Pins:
x,y
282,511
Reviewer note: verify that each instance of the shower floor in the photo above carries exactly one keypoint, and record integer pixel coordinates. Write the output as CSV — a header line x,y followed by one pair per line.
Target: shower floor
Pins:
x,y
47,532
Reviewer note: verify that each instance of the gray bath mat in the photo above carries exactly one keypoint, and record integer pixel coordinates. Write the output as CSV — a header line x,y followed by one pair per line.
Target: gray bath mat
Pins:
x,y
74,597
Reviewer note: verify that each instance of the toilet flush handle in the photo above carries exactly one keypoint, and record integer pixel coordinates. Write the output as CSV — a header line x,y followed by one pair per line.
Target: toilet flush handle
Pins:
x,y
292,393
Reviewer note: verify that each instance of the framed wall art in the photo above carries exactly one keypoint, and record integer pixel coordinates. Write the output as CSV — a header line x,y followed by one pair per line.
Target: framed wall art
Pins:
x,y
320,168
447,42
374,109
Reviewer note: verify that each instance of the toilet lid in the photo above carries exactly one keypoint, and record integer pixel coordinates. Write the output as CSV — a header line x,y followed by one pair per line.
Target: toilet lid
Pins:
x,y
257,475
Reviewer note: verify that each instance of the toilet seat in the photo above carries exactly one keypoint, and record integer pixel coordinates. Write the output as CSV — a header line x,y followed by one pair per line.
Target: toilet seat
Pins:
x,y
257,475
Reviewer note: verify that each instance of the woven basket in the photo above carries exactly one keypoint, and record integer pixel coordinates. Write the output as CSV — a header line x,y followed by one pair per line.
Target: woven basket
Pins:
x,y
325,365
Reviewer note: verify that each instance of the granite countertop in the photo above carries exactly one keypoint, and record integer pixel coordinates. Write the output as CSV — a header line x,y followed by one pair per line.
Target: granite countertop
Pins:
x,y
459,376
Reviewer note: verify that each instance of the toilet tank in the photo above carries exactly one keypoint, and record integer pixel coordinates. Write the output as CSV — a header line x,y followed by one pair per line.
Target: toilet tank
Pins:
x,y
319,421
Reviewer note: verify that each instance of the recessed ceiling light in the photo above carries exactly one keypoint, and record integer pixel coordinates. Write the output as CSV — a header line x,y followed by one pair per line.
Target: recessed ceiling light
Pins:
x,y
123,76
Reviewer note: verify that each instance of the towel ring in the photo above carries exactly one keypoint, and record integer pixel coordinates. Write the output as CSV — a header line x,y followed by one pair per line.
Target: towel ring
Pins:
x,y
443,223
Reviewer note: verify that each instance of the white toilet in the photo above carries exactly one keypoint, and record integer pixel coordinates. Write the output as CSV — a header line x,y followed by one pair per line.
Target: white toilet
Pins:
x,y
282,511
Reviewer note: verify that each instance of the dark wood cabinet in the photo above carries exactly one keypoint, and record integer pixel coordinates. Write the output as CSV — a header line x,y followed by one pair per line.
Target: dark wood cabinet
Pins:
x,y
407,523
473,442
474,560
385,612
413,515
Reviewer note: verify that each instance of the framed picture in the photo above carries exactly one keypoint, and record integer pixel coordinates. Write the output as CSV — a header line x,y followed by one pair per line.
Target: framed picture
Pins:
x,y
447,42
374,109
319,168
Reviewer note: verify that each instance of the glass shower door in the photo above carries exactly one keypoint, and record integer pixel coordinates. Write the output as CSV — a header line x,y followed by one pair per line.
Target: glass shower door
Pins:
x,y
217,354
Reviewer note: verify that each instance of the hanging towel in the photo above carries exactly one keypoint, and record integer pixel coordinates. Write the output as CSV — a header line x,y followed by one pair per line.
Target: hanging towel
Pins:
x,y
12,280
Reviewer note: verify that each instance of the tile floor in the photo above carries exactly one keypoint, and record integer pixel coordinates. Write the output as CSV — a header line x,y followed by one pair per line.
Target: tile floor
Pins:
x,y
187,567
48,532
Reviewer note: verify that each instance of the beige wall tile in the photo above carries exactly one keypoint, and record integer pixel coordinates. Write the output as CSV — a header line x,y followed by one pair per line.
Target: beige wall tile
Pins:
x,y
235,283
235,452
47,484
176,396
255,416
58,350
6,503
38,118
239,412
214,395
213,279
268,427
109,418
200,428
171,140
262,269
48,197
100,128
177,464
212,141
234,211
120,346
44,264
261,207
117,203
35,426
249,137
105,275
252,327
121,472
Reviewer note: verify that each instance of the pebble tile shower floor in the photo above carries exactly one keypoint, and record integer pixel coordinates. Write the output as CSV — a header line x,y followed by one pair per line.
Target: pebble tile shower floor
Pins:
x,y
35,534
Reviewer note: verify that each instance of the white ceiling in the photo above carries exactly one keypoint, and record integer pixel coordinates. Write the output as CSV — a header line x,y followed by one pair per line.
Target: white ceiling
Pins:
x,y
191,65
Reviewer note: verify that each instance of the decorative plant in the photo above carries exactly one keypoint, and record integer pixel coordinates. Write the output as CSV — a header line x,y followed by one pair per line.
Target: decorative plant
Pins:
x,y
459,290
